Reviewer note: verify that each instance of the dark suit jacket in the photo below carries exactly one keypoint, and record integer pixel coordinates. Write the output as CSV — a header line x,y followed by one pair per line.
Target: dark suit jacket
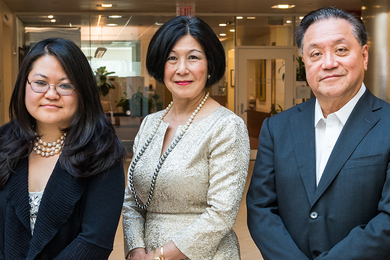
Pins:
x,y
77,218
348,215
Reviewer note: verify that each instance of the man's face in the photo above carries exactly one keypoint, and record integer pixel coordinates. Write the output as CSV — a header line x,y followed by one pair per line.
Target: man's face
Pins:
x,y
334,60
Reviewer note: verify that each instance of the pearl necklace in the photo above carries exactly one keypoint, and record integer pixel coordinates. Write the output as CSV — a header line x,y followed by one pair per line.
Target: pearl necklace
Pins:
x,y
163,157
48,149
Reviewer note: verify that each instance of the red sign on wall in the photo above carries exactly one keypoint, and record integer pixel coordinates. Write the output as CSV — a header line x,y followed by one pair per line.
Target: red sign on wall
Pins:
x,y
185,10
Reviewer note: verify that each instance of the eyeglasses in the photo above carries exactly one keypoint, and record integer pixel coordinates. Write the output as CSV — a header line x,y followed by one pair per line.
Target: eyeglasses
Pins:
x,y
40,86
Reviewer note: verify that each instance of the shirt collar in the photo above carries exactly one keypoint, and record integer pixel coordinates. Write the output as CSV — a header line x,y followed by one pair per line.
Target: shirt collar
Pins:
x,y
344,112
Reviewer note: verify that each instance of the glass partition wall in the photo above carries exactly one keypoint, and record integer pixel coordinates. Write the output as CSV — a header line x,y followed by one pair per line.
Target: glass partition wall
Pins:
x,y
116,47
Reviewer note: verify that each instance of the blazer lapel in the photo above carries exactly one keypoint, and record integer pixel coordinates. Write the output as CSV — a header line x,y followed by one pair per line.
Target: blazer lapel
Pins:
x,y
302,125
17,192
360,122
17,233
62,192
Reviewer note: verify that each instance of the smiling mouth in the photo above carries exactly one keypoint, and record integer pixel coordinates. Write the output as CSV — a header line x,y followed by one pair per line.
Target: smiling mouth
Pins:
x,y
50,106
330,77
183,82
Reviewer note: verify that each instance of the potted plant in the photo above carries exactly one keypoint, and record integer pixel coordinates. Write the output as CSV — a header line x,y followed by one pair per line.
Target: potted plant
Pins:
x,y
303,90
123,102
301,72
102,80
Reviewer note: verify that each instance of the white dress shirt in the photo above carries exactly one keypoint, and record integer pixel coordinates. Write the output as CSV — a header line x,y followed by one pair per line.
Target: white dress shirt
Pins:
x,y
328,129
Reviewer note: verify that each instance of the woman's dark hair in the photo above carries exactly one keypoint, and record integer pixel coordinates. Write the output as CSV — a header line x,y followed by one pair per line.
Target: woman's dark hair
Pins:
x,y
91,145
171,32
358,29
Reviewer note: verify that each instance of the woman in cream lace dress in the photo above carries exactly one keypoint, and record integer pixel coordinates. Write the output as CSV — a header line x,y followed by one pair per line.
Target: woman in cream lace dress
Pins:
x,y
187,177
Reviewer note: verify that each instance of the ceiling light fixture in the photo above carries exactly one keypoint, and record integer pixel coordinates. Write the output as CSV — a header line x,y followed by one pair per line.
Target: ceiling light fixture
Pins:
x,y
300,17
232,30
53,20
222,34
115,16
283,6
112,24
288,21
106,5
251,18
100,52
239,17
50,16
222,24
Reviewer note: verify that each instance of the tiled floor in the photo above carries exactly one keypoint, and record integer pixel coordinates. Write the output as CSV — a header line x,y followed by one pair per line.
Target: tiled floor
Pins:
x,y
248,248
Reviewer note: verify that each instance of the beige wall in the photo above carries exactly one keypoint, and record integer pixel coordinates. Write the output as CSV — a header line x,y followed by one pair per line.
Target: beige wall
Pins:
x,y
8,59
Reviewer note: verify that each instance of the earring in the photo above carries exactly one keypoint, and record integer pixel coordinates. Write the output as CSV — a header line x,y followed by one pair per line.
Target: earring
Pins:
x,y
208,76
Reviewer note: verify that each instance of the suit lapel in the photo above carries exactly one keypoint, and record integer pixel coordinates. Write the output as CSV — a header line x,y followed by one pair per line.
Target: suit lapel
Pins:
x,y
359,123
62,192
302,125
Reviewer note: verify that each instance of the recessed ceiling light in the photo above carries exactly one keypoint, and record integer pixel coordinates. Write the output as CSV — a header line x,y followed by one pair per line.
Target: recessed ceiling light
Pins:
x,y
232,30
300,17
50,16
239,17
288,21
222,24
115,16
53,20
107,5
222,34
112,24
283,6
251,17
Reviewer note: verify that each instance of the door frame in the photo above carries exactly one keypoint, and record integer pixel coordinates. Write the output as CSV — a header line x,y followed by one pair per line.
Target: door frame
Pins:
x,y
245,53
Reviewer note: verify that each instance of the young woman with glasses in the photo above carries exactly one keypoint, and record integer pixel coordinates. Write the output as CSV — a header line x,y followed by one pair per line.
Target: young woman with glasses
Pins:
x,y
61,172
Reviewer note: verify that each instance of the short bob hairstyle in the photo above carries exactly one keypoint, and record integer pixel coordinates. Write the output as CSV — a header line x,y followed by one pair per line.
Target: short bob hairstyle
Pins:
x,y
357,26
91,145
171,32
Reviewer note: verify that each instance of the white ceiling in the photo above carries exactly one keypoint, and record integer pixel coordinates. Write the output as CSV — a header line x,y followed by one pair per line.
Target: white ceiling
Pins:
x,y
143,14
167,6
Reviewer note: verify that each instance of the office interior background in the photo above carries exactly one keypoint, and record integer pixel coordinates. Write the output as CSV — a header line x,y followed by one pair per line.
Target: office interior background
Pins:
x,y
264,74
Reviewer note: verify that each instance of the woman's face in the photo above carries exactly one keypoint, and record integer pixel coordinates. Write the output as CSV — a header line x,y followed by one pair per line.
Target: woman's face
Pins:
x,y
50,108
185,72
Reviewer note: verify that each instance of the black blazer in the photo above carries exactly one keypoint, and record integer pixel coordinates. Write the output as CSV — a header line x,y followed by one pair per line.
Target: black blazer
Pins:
x,y
77,218
348,215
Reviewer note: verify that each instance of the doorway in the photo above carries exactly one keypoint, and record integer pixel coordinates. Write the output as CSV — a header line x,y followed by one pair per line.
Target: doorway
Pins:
x,y
265,80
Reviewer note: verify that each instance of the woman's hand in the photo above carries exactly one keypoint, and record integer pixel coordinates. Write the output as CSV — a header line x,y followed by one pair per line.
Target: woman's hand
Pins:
x,y
171,252
137,254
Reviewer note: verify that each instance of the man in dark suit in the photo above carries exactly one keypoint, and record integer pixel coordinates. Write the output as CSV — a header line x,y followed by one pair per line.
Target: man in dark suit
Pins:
x,y
321,182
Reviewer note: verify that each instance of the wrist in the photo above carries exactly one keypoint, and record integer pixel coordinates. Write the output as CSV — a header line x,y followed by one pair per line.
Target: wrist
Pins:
x,y
158,253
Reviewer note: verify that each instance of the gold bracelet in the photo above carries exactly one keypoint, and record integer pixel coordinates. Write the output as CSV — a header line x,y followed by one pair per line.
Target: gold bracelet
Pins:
x,y
162,253
155,255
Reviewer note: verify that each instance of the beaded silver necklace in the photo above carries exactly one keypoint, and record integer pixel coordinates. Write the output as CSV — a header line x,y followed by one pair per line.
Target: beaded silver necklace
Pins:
x,y
163,157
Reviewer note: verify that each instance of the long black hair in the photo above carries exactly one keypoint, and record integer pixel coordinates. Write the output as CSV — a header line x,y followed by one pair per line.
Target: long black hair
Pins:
x,y
91,145
171,32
